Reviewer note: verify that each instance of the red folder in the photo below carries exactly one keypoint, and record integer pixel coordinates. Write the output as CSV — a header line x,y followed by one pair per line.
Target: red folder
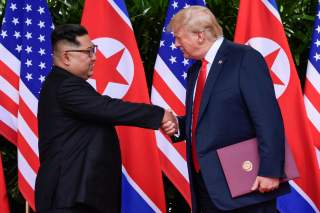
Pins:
x,y
240,163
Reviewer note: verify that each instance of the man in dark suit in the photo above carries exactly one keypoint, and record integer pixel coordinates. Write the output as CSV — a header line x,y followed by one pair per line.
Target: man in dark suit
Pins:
x,y
80,161
230,98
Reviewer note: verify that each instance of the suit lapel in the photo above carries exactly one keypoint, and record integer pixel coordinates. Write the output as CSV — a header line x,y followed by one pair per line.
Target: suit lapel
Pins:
x,y
215,70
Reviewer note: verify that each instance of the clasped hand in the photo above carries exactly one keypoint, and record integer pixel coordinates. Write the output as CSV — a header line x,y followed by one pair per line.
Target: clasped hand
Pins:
x,y
265,184
169,123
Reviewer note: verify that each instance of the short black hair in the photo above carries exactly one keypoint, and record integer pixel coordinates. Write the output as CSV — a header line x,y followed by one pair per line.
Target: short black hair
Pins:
x,y
67,32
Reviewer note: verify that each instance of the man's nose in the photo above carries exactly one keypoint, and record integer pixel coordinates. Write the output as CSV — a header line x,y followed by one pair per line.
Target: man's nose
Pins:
x,y
176,43
93,57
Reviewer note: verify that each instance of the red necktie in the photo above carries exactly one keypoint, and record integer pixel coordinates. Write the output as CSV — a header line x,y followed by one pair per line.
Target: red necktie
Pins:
x,y
195,112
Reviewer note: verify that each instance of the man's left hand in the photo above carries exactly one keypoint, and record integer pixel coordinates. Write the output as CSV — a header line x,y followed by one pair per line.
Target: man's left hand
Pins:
x,y
265,184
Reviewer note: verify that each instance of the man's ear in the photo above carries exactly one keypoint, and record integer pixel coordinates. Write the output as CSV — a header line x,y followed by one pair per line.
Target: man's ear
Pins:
x,y
65,58
201,36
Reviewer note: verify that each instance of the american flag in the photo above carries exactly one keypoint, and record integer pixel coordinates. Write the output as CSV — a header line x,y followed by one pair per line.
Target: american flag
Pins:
x,y
168,91
25,60
312,84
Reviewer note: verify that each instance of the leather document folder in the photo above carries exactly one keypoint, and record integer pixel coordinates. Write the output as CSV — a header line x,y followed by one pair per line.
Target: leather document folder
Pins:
x,y
240,164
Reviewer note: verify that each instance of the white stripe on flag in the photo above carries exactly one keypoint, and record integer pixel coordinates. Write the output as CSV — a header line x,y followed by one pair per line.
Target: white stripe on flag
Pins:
x,y
9,90
26,171
28,98
9,59
28,135
172,82
158,100
121,14
304,195
7,118
172,154
313,76
272,9
139,191
313,114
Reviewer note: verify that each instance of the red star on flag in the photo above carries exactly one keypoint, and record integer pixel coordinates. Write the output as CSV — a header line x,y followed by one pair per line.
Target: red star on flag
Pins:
x,y
270,60
106,70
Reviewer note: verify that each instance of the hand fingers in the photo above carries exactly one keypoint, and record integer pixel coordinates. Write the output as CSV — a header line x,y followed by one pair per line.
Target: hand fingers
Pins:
x,y
166,124
255,185
268,184
169,128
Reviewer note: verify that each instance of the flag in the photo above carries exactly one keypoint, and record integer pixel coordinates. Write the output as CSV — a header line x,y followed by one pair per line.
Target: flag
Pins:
x,y
271,42
119,73
312,84
169,91
25,60
4,205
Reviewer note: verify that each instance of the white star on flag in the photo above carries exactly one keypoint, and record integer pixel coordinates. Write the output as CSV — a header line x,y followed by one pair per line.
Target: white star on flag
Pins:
x,y
175,4
29,76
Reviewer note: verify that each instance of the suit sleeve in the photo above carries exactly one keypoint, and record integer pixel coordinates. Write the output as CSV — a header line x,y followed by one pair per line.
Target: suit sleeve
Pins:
x,y
77,97
258,93
182,130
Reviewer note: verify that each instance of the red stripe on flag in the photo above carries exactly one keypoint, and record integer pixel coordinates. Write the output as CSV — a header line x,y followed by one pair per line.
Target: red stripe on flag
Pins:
x,y
8,133
165,91
315,135
9,75
29,154
26,190
4,204
7,103
175,176
28,116
312,94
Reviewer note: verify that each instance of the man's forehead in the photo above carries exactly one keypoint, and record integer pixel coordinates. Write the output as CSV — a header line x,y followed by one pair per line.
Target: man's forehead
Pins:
x,y
180,31
84,40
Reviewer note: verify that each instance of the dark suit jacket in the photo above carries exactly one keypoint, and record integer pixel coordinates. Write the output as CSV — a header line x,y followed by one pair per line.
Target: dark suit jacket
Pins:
x,y
79,152
238,103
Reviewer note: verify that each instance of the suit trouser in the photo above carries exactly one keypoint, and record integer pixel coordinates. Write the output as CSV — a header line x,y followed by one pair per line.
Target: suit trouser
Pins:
x,y
78,208
205,205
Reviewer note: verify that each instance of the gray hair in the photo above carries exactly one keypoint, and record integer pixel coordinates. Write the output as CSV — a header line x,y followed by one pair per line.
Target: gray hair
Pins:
x,y
196,19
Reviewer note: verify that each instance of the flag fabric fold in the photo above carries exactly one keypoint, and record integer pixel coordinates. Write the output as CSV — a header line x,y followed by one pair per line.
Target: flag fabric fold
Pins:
x,y
4,204
168,91
25,60
119,73
271,42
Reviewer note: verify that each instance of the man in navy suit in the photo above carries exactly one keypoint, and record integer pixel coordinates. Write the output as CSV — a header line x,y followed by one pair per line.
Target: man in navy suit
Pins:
x,y
230,98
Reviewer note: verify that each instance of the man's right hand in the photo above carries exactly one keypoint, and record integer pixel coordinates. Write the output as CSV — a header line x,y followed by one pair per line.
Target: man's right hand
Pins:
x,y
169,123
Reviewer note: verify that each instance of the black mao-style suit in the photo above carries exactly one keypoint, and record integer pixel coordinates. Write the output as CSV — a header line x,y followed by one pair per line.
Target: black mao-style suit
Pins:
x,y
80,160
238,103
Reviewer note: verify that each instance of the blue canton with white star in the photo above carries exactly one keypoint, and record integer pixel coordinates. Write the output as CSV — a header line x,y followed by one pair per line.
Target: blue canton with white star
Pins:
x,y
25,32
314,56
170,54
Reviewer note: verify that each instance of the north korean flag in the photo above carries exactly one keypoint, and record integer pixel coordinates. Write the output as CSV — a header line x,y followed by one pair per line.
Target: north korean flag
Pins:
x,y
119,73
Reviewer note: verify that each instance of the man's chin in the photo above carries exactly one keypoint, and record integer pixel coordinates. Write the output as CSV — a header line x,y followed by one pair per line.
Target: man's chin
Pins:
x,y
90,73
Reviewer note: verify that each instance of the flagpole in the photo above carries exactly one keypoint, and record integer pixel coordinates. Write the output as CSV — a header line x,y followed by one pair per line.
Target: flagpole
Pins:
x,y
27,207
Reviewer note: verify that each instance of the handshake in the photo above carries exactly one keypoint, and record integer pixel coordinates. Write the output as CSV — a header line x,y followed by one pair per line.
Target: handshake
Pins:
x,y
169,124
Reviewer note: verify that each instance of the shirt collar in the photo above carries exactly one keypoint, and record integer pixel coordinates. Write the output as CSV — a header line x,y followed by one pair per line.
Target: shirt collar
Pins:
x,y
211,54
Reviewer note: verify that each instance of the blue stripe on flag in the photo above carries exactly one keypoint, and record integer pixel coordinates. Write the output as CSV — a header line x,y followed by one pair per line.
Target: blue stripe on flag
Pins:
x,y
132,202
293,203
273,3
122,6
